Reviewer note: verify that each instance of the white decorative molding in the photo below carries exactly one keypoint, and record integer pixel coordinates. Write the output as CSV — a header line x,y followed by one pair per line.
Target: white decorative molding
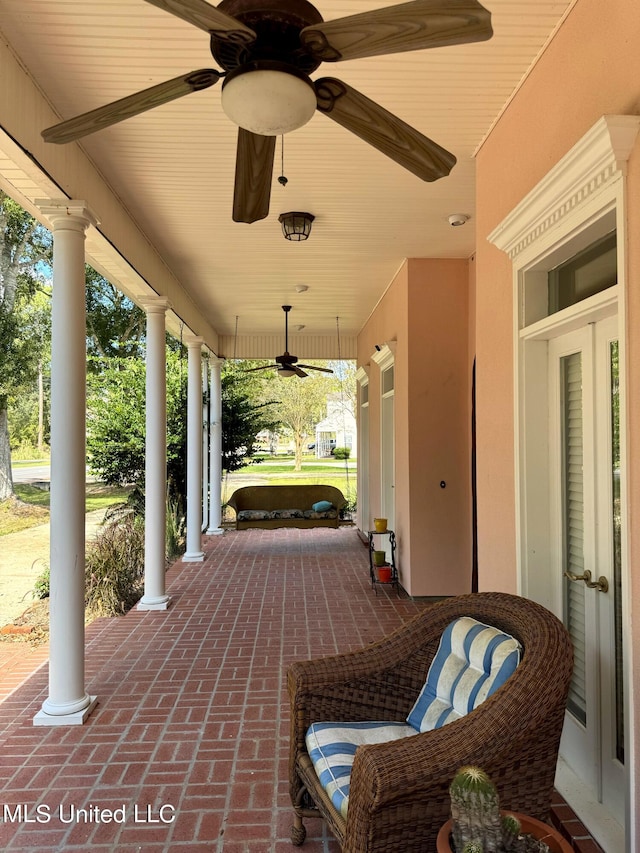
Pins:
x,y
591,166
362,374
384,356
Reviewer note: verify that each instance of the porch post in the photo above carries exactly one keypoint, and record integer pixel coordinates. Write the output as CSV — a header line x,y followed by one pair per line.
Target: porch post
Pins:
x,y
205,441
194,551
155,508
215,446
68,702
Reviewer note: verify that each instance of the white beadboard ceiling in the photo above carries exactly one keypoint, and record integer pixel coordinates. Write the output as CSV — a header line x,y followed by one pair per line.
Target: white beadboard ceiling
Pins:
x,y
173,167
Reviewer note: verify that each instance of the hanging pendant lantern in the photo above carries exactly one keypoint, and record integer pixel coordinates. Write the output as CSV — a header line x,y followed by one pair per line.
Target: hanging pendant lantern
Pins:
x,y
296,226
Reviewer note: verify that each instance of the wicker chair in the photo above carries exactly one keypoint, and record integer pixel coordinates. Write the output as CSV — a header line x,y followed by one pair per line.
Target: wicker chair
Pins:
x,y
399,791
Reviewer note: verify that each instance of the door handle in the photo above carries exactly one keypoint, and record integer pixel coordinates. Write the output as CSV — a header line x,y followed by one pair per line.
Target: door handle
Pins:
x,y
602,584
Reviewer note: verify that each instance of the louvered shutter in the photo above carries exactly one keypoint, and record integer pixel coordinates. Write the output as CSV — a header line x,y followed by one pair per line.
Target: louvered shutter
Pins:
x,y
573,504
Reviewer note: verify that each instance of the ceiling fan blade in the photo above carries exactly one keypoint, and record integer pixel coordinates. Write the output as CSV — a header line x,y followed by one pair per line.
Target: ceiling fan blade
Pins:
x,y
385,131
264,367
132,105
254,169
311,367
396,29
297,370
208,18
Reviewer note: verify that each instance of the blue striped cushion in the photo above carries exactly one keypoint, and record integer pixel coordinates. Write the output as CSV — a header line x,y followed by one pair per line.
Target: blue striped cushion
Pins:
x,y
332,748
473,660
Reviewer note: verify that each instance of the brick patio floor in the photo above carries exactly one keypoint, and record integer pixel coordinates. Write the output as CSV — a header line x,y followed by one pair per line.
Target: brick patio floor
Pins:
x,y
188,744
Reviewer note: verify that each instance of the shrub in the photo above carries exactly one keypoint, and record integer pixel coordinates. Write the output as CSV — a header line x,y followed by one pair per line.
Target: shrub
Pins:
x,y
175,538
41,586
341,453
114,571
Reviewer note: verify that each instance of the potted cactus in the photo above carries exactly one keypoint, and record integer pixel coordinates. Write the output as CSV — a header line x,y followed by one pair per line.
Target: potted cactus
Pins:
x,y
478,825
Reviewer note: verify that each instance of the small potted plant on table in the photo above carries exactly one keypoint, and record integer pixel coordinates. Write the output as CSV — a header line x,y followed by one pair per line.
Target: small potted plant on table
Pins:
x,y
478,826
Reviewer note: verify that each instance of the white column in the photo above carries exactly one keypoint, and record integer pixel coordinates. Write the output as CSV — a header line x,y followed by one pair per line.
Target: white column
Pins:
x,y
194,551
155,507
68,702
206,408
215,446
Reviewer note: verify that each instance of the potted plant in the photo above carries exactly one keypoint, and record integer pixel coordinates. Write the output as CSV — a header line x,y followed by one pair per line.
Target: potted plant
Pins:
x,y
379,558
478,826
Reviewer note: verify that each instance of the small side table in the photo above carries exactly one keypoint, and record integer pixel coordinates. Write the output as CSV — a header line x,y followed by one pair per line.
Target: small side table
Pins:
x,y
392,563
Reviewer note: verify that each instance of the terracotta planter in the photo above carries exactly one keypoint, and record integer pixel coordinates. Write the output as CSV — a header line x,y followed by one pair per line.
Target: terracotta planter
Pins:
x,y
384,574
380,524
529,825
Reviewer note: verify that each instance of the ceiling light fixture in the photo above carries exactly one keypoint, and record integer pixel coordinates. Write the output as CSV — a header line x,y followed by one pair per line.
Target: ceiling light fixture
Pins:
x,y
296,226
268,98
286,371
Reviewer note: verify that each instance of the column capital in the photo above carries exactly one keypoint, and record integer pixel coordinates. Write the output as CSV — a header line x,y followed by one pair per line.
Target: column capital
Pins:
x,y
215,361
154,304
70,212
193,341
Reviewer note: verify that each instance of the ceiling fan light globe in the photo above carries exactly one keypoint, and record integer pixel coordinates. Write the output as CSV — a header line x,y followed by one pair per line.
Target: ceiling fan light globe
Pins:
x,y
267,101
286,372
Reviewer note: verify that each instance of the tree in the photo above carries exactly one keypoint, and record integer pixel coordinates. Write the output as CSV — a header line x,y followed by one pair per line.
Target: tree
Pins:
x,y
242,419
301,404
116,327
116,422
24,246
29,404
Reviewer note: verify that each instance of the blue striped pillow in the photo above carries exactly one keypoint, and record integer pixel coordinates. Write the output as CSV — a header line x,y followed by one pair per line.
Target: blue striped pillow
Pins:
x,y
473,660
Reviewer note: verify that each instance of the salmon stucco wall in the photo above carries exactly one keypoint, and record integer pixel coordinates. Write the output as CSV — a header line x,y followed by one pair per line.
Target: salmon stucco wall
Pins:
x,y
591,68
439,426
425,310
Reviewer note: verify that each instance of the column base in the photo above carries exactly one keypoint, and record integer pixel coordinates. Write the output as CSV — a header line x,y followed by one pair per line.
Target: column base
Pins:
x,y
76,718
162,603
195,557
214,531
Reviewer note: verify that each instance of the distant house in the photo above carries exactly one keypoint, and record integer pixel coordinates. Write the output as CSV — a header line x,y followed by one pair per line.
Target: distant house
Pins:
x,y
338,429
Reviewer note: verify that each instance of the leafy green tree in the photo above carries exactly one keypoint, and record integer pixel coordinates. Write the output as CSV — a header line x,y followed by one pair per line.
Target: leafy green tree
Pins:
x,y
29,404
116,326
300,404
116,422
25,252
244,416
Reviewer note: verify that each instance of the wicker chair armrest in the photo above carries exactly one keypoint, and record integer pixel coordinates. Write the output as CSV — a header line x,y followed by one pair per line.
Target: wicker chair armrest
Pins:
x,y
411,776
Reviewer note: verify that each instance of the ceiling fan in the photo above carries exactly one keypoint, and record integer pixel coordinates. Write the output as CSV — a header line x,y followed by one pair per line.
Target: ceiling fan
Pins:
x,y
287,364
267,49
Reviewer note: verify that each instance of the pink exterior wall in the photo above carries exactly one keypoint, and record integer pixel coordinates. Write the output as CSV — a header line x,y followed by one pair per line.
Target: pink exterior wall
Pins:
x,y
426,310
439,427
592,68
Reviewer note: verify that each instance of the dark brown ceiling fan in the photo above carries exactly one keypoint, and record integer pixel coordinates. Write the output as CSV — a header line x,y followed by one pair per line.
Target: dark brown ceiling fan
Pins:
x,y
267,49
287,364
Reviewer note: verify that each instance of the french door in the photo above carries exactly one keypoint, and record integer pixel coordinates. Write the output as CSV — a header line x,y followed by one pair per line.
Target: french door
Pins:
x,y
585,526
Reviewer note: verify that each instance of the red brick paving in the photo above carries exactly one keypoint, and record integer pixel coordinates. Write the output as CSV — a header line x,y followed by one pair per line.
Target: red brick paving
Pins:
x,y
192,712
187,748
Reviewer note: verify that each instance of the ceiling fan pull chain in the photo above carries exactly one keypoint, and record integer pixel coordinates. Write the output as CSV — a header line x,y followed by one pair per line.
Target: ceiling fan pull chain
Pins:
x,y
283,180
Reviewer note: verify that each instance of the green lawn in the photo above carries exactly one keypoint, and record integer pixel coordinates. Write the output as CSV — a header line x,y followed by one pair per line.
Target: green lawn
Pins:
x,y
32,505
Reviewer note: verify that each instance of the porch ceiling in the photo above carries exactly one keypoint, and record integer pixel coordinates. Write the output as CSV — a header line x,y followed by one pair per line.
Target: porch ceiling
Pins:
x,y
173,168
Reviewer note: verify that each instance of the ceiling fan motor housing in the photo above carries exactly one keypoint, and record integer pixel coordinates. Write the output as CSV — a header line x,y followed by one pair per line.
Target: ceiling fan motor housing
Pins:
x,y
277,24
